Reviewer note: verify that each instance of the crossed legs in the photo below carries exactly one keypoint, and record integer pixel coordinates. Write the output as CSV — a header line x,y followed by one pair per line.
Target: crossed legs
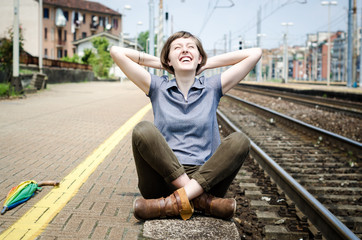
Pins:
x,y
160,173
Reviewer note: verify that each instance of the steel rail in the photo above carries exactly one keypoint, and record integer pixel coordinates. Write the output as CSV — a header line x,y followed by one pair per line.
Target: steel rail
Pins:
x,y
309,102
350,144
321,217
299,94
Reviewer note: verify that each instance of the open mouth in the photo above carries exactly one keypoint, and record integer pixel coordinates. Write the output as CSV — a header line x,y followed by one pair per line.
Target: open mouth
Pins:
x,y
185,59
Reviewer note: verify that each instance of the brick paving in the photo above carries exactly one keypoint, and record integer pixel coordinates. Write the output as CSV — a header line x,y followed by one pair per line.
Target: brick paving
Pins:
x,y
46,135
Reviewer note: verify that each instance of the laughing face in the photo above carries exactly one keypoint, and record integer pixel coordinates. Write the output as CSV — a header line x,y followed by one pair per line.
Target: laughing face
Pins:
x,y
184,55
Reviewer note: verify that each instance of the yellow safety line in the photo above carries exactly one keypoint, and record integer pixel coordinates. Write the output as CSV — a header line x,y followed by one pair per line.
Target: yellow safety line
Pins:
x,y
33,222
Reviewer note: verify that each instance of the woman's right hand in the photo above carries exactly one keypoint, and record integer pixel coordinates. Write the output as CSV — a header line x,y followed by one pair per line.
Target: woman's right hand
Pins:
x,y
130,60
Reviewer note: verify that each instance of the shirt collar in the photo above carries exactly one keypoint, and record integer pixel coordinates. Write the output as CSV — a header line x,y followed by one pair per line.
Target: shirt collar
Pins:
x,y
198,83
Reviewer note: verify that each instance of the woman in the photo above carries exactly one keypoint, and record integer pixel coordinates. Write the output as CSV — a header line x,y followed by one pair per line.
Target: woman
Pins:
x,y
181,163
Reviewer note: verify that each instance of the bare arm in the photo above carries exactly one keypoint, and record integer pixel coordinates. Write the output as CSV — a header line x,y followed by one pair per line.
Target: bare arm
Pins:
x,y
242,63
131,61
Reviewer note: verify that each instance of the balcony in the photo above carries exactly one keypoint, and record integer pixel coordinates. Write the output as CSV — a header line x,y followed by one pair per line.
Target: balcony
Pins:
x,y
61,43
93,27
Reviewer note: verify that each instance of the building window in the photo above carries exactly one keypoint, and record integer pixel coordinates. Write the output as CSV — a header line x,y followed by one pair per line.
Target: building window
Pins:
x,y
74,36
46,53
46,13
45,33
93,22
60,53
65,53
65,35
66,15
101,21
84,34
59,35
83,17
115,23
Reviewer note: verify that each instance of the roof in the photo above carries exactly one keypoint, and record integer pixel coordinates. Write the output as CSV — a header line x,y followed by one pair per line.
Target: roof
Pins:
x,y
127,42
102,34
82,5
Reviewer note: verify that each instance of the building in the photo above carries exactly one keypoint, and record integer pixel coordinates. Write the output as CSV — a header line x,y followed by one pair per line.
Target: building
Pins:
x,y
317,59
338,57
65,22
298,66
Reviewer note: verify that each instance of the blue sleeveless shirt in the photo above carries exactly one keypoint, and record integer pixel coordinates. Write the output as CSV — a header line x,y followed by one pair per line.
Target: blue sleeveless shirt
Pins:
x,y
189,126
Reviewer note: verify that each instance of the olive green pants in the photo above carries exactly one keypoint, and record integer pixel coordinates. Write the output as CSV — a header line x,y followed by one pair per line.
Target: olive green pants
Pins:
x,y
157,165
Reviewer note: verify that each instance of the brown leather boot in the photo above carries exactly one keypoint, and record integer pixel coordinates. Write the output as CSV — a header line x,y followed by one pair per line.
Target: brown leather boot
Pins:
x,y
175,204
213,206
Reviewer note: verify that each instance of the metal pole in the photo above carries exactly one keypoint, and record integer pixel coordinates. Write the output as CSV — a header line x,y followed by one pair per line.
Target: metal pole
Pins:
x,y
41,36
160,32
354,45
286,60
329,46
360,58
258,36
286,57
136,39
225,43
160,29
350,43
152,32
126,7
16,40
121,42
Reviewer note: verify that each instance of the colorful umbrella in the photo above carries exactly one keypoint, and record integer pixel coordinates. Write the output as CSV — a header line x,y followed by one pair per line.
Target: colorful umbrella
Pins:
x,y
23,192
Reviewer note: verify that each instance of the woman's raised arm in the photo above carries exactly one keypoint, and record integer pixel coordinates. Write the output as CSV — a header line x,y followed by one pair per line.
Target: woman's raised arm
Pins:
x,y
131,61
242,62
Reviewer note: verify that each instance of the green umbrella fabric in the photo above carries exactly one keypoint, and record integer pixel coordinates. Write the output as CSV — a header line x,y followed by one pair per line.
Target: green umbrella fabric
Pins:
x,y
23,192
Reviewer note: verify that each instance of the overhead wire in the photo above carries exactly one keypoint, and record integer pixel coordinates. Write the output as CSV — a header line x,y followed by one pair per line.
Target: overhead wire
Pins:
x,y
208,16
252,23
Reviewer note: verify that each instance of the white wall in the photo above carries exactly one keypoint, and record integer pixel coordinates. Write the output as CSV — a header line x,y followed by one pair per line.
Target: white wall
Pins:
x,y
28,18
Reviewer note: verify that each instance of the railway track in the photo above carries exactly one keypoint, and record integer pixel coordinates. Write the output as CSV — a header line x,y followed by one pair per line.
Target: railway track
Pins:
x,y
327,166
349,108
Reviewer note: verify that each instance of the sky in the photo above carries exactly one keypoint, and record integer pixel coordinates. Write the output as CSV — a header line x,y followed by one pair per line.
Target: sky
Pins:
x,y
212,20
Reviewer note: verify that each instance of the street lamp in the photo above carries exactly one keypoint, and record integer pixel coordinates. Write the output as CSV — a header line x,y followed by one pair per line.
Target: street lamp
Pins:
x,y
285,58
126,7
139,23
329,4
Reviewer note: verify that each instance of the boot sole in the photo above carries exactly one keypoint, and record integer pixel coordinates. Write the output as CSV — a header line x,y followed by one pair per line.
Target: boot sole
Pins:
x,y
134,212
235,204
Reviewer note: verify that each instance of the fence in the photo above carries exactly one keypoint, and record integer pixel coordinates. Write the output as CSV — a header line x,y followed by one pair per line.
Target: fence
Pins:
x,y
28,59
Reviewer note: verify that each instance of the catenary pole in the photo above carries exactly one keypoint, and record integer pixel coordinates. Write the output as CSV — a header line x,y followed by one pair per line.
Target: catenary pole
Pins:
x,y
151,31
329,46
16,40
160,32
286,58
360,59
329,4
258,36
350,42
41,36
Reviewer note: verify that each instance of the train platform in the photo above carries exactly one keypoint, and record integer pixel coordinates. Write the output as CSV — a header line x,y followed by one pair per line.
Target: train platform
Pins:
x,y
80,134
312,88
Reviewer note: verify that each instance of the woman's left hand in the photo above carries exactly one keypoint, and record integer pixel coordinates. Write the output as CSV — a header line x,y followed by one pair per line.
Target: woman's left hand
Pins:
x,y
203,68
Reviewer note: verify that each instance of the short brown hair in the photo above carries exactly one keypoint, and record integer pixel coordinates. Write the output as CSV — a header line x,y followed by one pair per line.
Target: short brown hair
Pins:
x,y
167,47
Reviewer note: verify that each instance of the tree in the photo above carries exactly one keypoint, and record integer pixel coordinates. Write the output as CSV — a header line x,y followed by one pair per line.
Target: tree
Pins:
x,y
74,59
102,61
88,55
6,54
143,39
